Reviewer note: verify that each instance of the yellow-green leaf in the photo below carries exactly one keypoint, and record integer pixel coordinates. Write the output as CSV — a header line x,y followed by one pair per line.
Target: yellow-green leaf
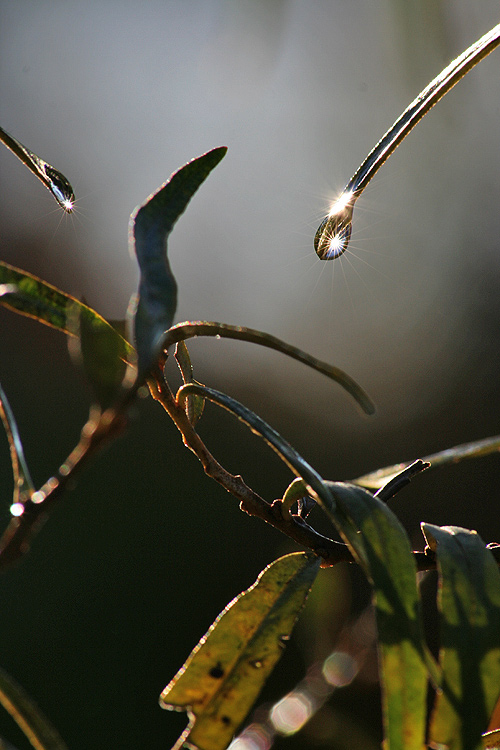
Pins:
x,y
469,603
224,674
383,549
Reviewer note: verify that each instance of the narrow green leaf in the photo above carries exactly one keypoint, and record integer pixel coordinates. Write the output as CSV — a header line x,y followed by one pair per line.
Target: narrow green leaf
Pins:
x,y
54,180
23,484
312,480
382,546
476,449
151,224
28,716
191,329
98,353
37,299
224,674
469,604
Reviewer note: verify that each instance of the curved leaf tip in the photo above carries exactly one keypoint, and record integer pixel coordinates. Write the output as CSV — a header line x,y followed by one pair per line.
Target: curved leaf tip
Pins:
x,y
151,224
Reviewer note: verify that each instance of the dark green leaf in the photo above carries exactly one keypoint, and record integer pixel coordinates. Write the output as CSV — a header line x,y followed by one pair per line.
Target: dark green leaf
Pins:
x,y
98,353
151,224
37,299
377,479
224,674
312,480
383,549
191,329
469,603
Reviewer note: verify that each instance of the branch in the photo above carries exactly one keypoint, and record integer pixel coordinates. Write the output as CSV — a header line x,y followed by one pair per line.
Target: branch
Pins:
x,y
250,502
99,429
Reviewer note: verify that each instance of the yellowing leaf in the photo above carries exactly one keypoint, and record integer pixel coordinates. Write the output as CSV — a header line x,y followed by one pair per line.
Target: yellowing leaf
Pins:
x,y
383,549
469,603
224,674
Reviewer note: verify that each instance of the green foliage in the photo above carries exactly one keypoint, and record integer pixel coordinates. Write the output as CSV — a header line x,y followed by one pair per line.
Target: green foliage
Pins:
x,y
43,302
382,548
221,679
469,603
224,674
151,225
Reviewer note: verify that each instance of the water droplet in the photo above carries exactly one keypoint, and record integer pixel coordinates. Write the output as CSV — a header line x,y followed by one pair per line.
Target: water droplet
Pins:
x,y
257,664
60,188
334,232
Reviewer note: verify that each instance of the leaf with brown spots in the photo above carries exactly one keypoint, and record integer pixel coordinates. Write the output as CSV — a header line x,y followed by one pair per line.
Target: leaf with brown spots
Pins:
x,y
226,671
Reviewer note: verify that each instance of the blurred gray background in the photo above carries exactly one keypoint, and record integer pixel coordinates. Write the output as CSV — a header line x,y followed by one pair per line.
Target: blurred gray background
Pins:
x,y
117,95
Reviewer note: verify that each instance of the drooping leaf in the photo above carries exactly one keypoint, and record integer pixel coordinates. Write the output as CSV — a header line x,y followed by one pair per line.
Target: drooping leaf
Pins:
x,y
98,351
37,299
23,484
191,329
54,180
35,725
224,674
383,549
476,449
151,224
312,480
469,605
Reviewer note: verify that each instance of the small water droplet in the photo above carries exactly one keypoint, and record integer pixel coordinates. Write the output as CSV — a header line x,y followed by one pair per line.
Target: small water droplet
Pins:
x,y
257,664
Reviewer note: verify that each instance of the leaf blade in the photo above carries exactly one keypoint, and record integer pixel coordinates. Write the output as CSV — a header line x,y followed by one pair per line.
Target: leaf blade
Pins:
x,y
381,545
97,351
192,329
469,604
39,300
150,225
225,672
54,180
476,449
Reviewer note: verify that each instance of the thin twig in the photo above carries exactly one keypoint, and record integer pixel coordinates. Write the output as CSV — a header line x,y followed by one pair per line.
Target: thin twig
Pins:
x,y
99,429
250,502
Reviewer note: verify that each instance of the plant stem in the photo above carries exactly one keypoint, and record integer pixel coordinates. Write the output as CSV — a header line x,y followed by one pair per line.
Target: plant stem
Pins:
x,y
99,429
